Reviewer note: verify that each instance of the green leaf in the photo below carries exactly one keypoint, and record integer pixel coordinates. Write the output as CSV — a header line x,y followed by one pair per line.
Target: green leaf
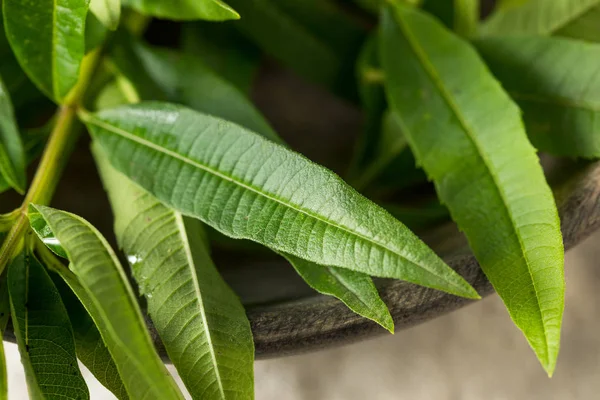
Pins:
x,y
469,138
354,289
184,10
557,85
199,318
208,93
584,27
108,12
12,155
225,50
95,33
185,79
43,332
91,349
231,179
540,17
48,39
312,51
391,144
109,299
4,316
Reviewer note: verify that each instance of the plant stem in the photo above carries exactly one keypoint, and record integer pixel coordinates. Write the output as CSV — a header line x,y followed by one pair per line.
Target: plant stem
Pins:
x,y
56,154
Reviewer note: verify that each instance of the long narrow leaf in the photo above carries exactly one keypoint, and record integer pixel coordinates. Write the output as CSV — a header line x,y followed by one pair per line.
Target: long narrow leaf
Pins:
x,y
43,332
109,300
208,93
557,85
231,179
12,155
355,289
468,136
199,318
91,349
48,39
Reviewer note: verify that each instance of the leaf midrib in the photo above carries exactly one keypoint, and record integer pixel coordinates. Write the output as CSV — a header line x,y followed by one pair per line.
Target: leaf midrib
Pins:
x,y
99,309
199,300
147,143
448,98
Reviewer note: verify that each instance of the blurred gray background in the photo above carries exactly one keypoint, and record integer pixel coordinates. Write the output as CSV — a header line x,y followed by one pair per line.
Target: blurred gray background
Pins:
x,y
474,353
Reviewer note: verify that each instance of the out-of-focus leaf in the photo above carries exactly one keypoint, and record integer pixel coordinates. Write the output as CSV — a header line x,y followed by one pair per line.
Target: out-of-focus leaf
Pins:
x,y
557,85
584,27
317,42
109,299
354,289
426,215
95,33
225,50
185,79
199,318
91,350
12,155
48,39
43,332
539,17
184,10
370,88
108,12
468,135
391,144
230,178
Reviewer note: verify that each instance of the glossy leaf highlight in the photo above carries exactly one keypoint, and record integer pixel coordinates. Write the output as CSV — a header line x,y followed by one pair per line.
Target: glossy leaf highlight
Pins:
x,y
48,39
212,10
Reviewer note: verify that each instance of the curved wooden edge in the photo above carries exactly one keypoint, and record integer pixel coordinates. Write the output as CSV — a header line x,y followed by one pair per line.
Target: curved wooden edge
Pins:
x,y
319,321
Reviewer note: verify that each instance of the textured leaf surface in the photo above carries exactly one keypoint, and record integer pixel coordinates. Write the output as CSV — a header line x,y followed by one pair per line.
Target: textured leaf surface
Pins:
x,y
557,85
43,332
109,300
231,179
107,11
354,289
535,16
48,39
204,96
12,155
91,350
199,318
468,136
212,10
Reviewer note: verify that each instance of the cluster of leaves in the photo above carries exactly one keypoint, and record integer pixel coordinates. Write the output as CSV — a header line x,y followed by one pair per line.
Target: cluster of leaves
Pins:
x,y
179,145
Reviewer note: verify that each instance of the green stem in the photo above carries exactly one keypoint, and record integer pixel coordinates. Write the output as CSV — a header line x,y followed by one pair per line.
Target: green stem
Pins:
x,y
56,154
